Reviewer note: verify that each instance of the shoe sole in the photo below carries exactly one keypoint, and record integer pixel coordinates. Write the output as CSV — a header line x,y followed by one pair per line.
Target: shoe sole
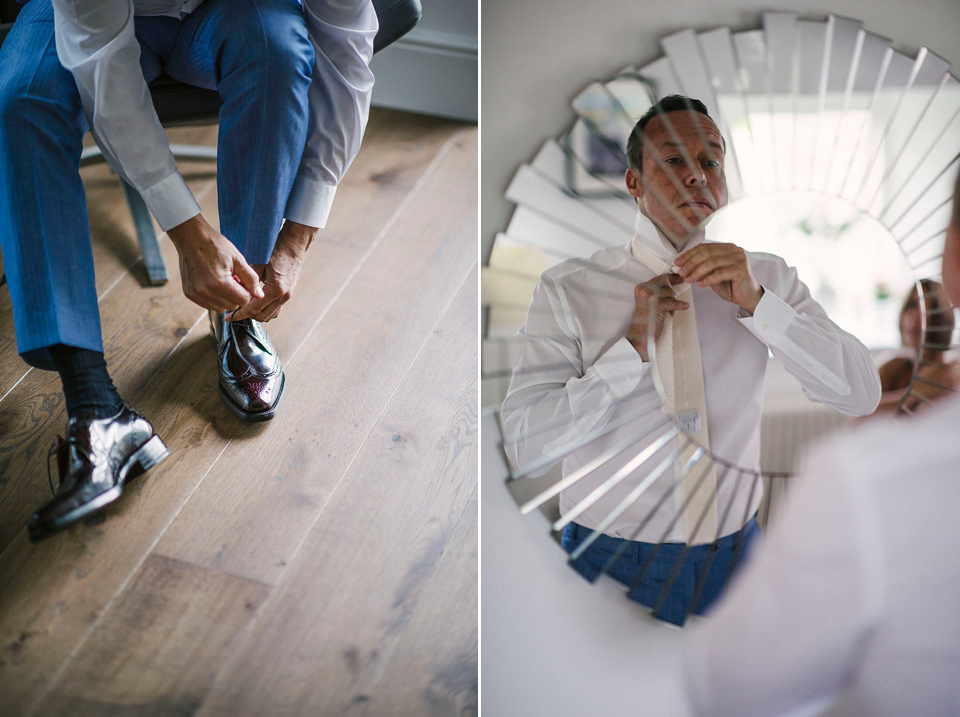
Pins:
x,y
250,416
146,457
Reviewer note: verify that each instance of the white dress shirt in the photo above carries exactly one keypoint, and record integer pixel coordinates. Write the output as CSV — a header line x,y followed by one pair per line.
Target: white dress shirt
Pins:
x,y
96,42
852,603
578,377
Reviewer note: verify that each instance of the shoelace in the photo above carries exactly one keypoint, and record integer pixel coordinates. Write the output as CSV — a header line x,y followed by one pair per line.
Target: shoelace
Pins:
x,y
229,328
61,443
50,454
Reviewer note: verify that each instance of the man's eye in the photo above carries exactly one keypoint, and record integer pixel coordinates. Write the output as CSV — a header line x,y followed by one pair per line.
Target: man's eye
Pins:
x,y
712,163
672,160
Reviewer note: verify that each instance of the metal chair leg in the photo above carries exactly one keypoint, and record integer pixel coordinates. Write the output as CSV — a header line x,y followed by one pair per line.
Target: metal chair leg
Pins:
x,y
156,271
199,152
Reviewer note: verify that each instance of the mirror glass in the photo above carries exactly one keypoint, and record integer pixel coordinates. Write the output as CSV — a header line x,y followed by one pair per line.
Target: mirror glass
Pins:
x,y
841,154
848,259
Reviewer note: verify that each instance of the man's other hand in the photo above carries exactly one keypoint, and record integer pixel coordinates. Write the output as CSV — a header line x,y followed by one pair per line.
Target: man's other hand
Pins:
x,y
935,380
724,268
213,271
667,303
280,275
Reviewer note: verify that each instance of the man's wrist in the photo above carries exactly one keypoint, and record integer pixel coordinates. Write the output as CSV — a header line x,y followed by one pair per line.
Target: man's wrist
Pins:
x,y
180,234
296,235
751,308
640,347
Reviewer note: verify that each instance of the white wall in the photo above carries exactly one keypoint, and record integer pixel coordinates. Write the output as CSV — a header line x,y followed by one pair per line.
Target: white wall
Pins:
x,y
539,54
433,69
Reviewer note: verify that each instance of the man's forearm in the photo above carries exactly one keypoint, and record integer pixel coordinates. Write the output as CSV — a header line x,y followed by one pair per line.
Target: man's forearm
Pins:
x,y
833,366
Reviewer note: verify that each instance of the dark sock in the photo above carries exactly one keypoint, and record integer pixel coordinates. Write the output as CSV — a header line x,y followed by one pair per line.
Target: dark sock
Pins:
x,y
86,384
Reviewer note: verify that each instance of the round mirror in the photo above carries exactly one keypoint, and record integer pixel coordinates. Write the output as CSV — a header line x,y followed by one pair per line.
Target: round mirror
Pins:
x,y
839,157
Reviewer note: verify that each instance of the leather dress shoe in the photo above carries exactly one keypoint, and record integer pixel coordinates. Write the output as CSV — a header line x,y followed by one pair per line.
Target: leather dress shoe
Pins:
x,y
251,377
98,457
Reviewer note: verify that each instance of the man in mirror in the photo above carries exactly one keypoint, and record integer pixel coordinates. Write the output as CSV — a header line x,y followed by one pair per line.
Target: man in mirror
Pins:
x,y
850,606
648,506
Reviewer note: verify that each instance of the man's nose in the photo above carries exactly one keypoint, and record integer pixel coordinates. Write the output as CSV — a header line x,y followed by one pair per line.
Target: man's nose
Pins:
x,y
694,176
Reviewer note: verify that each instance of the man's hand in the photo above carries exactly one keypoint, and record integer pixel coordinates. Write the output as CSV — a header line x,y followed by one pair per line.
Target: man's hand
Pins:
x,y
280,275
661,286
724,268
213,271
933,382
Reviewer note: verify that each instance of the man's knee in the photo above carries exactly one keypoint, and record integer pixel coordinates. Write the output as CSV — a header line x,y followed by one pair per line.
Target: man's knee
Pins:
x,y
291,58
278,54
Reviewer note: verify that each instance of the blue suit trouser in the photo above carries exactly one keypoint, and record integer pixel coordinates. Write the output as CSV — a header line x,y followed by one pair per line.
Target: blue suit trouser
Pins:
x,y
696,575
256,53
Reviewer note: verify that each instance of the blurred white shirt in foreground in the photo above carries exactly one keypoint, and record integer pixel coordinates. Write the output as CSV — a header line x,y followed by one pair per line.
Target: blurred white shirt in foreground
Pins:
x,y
852,604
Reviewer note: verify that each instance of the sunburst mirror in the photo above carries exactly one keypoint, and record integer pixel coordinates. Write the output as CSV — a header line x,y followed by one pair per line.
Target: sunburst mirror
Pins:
x,y
840,157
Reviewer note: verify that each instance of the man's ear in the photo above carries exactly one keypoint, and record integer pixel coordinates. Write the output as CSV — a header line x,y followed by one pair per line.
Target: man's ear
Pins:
x,y
634,183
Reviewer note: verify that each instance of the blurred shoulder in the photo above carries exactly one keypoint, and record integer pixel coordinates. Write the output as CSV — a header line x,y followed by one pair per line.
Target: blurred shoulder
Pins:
x,y
892,448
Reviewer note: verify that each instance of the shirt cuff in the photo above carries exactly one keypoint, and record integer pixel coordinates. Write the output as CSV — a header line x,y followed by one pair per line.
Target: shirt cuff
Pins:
x,y
621,368
310,202
771,317
171,201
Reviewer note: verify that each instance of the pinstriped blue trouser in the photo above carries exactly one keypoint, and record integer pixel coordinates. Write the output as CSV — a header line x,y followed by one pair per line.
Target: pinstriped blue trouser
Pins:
x,y
703,574
255,52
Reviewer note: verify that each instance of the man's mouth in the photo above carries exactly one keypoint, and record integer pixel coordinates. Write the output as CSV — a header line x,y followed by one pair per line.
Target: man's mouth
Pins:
x,y
698,203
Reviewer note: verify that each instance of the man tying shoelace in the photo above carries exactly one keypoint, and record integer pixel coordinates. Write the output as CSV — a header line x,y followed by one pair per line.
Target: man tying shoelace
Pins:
x,y
295,82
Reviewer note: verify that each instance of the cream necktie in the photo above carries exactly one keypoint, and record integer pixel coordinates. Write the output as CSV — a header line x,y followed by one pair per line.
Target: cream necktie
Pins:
x,y
681,374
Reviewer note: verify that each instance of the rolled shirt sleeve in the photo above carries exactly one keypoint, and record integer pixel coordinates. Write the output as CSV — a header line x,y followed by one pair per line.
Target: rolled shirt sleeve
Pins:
x,y
342,33
96,43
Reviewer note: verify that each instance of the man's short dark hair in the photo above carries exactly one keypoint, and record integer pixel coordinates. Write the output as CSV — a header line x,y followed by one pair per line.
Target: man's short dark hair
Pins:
x,y
670,103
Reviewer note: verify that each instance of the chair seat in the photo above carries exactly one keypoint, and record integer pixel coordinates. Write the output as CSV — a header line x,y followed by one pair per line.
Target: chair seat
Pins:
x,y
178,103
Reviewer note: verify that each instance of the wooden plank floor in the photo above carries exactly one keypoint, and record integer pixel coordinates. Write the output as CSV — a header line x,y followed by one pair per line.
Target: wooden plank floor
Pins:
x,y
322,562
